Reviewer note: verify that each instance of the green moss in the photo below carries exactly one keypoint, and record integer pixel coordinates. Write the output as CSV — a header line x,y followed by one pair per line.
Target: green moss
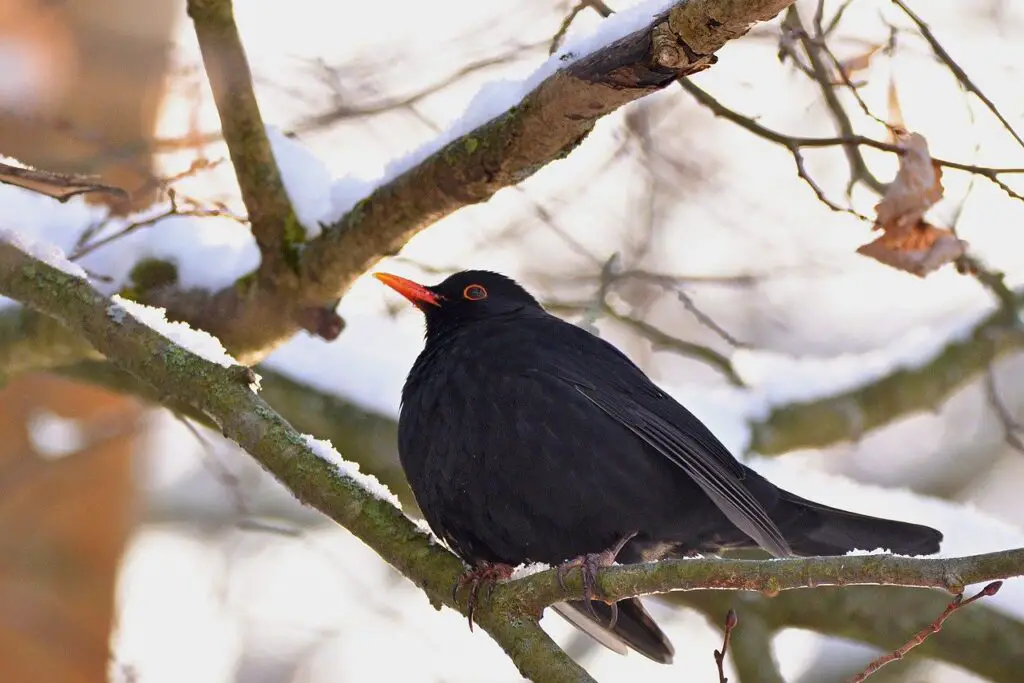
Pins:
x,y
294,238
245,283
470,143
357,213
150,273
175,357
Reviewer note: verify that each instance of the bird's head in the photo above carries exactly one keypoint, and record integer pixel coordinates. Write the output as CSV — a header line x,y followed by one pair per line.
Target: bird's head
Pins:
x,y
462,298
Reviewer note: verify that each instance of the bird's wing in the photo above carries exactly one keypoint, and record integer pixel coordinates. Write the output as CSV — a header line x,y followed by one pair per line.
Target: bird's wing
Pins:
x,y
579,356
689,452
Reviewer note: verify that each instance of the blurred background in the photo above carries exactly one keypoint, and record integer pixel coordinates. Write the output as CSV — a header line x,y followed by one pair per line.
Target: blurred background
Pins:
x,y
137,545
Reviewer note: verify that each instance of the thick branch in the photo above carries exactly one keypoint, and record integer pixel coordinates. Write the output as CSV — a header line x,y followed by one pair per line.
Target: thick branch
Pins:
x,y
224,395
824,421
274,225
545,126
771,576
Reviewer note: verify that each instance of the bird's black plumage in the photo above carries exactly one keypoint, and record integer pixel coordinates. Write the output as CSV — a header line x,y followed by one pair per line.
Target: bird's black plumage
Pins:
x,y
527,439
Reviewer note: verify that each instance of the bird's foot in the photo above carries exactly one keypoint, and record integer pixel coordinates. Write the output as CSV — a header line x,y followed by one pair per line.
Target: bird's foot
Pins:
x,y
590,565
483,574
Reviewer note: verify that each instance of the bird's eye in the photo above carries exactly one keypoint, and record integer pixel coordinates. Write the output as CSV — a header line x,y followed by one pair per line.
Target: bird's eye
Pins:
x,y
474,293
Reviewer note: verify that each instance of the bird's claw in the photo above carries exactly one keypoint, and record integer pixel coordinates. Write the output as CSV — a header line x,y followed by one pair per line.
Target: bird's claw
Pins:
x,y
590,565
484,574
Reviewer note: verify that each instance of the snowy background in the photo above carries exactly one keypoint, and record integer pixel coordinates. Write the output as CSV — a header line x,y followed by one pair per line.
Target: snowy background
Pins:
x,y
203,600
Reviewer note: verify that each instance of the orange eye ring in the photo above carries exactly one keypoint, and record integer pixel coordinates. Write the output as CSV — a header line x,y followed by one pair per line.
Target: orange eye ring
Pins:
x,y
474,293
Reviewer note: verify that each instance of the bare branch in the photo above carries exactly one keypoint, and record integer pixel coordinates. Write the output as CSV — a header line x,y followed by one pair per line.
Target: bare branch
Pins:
x,y
982,640
820,422
730,624
790,141
771,576
923,634
961,76
60,186
190,208
274,224
752,655
1012,429
597,5
546,125
859,171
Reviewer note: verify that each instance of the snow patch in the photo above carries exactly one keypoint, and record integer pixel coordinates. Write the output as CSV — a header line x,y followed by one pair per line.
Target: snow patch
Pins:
x,y
498,97
199,342
306,180
528,569
50,254
325,450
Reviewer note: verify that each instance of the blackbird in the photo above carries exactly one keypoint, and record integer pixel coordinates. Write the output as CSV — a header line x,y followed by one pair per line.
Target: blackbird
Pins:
x,y
525,438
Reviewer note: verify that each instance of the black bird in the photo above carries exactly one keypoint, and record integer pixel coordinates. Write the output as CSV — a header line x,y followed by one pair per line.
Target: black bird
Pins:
x,y
527,439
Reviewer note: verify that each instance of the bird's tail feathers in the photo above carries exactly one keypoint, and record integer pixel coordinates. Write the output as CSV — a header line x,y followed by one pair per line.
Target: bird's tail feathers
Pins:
x,y
837,532
633,628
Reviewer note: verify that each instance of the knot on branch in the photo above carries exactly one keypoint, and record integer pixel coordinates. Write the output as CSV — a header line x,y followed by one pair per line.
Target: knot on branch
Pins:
x,y
669,51
322,321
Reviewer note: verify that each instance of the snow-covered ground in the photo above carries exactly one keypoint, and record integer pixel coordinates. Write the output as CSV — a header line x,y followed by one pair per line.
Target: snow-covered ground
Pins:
x,y
192,605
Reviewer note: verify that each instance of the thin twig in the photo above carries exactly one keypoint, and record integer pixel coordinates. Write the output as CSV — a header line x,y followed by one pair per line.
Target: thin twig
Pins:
x,y
730,623
789,141
801,171
1012,429
173,210
950,63
349,111
597,5
923,634
859,171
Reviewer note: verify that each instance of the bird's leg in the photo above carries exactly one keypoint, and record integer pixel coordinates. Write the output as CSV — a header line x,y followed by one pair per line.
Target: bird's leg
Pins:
x,y
590,564
483,574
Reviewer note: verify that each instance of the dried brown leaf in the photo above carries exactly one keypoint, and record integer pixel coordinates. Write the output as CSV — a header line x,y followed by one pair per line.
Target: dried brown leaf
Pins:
x,y
859,62
919,250
908,242
895,117
918,185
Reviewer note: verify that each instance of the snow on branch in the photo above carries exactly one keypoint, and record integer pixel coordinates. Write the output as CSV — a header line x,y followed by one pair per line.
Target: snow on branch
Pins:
x,y
513,130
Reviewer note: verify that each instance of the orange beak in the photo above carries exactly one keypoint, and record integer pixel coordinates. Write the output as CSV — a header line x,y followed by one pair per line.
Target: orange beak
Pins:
x,y
414,292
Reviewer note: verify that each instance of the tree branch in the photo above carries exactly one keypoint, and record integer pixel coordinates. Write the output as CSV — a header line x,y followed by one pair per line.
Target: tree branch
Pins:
x,y
751,648
824,421
223,394
983,640
546,125
274,224
771,576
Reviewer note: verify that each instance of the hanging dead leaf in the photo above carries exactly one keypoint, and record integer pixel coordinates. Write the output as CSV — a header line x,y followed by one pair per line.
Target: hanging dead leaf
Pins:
x,y
908,242
919,250
918,185
859,62
57,185
895,118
